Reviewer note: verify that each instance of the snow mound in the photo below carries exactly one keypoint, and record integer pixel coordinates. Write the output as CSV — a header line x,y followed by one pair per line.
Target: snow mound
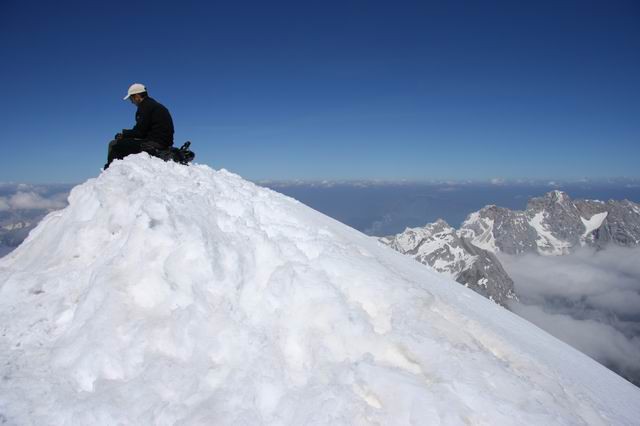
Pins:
x,y
166,294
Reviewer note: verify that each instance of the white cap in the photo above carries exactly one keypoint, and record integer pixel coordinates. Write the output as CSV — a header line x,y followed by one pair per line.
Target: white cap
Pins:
x,y
135,88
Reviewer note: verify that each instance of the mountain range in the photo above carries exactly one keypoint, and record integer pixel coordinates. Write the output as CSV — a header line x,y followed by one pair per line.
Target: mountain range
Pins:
x,y
16,225
553,224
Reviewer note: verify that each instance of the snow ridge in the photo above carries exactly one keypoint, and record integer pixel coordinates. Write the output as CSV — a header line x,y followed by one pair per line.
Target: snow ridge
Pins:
x,y
166,294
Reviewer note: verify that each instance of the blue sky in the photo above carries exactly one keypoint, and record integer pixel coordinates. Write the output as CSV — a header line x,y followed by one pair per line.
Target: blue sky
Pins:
x,y
329,90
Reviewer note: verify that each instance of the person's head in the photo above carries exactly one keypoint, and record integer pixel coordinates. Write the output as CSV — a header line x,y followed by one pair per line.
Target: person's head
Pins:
x,y
136,93
137,98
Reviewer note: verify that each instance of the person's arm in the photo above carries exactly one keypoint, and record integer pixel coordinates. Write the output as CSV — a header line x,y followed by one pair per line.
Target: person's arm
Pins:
x,y
142,127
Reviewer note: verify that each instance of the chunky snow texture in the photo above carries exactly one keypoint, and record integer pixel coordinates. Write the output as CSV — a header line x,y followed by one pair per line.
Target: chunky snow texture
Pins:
x,y
166,294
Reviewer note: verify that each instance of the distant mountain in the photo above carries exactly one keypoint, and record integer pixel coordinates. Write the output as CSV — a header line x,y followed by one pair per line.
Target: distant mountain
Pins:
x,y
22,206
554,225
551,225
439,246
15,225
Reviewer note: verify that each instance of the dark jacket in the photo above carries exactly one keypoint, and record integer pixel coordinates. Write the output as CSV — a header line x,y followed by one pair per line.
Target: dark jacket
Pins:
x,y
153,123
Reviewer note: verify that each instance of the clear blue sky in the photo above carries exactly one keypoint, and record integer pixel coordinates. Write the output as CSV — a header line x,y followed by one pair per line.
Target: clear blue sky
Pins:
x,y
329,90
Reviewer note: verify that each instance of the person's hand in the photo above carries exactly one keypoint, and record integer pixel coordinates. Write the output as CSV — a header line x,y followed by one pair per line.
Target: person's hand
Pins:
x,y
118,136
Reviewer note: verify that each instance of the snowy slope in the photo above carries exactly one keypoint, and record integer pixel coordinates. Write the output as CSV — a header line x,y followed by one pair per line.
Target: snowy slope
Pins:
x,y
166,294
592,224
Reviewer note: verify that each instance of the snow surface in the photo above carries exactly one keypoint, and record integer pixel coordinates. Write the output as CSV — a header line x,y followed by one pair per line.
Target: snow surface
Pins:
x,y
592,223
486,239
547,243
166,294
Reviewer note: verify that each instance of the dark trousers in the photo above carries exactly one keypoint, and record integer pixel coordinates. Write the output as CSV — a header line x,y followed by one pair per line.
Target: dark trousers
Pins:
x,y
118,149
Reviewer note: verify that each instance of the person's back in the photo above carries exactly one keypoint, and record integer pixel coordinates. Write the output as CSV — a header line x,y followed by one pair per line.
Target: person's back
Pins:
x,y
153,123
153,130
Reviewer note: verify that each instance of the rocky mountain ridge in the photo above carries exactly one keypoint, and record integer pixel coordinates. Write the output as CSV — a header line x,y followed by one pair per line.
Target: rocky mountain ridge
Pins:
x,y
553,224
439,246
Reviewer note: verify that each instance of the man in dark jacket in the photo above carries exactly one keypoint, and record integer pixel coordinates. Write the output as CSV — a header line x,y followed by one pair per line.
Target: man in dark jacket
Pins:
x,y
153,130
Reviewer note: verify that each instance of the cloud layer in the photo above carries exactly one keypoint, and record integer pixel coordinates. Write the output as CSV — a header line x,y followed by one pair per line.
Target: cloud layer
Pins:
x,y
32,197
30,201
589,299
21,208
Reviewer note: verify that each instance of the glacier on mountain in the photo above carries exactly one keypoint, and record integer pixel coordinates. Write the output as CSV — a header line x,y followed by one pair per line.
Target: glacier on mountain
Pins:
x,y
166,294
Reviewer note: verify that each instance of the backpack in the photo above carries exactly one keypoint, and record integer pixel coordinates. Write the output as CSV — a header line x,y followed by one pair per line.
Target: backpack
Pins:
x,y
182,155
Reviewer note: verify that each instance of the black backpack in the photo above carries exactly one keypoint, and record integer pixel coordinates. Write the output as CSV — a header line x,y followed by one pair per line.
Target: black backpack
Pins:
x,y
182,155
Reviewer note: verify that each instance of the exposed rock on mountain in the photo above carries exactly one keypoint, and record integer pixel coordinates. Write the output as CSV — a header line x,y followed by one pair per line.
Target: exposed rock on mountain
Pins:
x,y
439,246
554,225
15,226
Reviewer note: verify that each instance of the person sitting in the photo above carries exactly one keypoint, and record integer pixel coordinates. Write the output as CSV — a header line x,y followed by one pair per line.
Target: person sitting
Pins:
x,y
153,130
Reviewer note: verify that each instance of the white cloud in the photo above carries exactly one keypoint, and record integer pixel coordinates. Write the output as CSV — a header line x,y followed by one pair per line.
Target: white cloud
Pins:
x,y
30,200
448,189
599,340
22,187
626,302
589,299
585,273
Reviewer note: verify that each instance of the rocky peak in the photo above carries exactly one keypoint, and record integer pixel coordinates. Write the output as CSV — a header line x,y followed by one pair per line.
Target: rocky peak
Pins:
x,y
551,200
554,224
